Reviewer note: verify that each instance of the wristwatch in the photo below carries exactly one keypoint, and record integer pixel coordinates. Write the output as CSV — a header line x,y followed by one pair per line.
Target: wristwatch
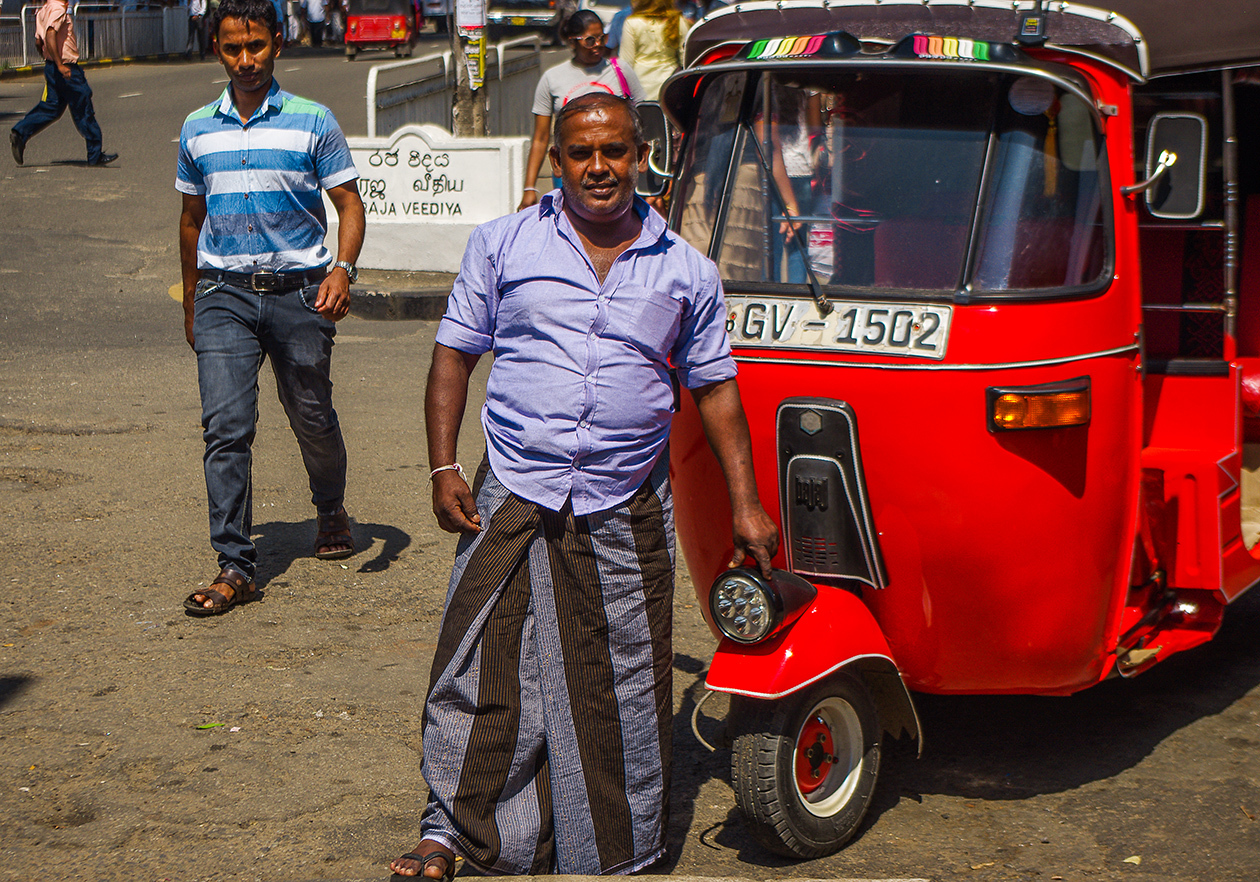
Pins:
x,y
351,270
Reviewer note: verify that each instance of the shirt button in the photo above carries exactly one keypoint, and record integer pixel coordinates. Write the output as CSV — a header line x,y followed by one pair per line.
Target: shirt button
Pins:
x,y
243,160
251,228
246,195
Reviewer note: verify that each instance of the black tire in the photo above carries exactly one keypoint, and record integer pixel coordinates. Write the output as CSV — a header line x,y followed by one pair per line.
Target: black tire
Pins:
x,y
350,53
816,818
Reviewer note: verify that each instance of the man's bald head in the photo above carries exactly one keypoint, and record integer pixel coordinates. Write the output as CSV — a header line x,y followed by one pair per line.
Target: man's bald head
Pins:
x,y
596,102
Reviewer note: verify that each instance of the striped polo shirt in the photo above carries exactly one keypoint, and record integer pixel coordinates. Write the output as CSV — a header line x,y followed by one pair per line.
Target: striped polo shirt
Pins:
x,y
262,180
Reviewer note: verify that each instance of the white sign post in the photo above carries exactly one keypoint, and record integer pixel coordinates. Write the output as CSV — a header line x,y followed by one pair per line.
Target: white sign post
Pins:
x,y
424,191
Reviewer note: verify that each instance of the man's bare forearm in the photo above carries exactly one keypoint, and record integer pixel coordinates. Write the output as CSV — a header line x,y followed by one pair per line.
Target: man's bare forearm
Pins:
x,y
444,401
753,533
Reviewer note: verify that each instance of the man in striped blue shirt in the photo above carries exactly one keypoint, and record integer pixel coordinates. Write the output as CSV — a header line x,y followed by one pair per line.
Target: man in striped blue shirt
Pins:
x,y
257,285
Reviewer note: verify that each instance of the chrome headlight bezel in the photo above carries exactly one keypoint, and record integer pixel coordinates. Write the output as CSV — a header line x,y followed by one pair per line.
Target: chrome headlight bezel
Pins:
x,y
783,599
735,595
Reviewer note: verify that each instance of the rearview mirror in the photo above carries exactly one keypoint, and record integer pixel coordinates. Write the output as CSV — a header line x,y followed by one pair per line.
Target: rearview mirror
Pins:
x,y
654,180
1179,191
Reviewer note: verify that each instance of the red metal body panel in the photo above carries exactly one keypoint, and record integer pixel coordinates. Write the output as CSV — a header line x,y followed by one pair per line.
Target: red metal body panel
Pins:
x,y
1006,554
378,30
834,632
1193,437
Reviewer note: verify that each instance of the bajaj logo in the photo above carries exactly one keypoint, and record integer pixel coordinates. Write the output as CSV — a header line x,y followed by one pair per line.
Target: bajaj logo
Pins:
x,y
812,493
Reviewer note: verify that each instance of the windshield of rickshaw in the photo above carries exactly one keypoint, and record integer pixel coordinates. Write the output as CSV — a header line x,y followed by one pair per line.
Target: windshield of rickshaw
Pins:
x,y
378,7
897,183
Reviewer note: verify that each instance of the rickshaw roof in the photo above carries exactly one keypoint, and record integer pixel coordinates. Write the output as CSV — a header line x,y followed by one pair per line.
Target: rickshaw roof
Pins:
x,y
1148,37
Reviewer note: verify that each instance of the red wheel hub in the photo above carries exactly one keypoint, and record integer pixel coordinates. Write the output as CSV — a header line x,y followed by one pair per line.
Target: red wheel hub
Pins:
x,y
814,754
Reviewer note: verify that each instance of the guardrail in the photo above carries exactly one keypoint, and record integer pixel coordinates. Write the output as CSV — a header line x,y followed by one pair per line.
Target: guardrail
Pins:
x,y
430,97
102,30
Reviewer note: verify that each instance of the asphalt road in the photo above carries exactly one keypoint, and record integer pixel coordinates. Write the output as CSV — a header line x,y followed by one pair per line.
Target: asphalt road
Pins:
x,y
281,741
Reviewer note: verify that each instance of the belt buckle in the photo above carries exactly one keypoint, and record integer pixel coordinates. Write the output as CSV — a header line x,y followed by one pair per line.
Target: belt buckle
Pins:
x,y
265,281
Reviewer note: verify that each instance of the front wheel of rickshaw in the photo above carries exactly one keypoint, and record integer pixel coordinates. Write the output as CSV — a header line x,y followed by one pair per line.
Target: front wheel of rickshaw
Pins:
x,y
350,52
804,768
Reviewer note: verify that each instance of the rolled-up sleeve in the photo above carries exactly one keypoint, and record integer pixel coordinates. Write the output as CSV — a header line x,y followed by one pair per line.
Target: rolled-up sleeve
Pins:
x,y
702,353
468,324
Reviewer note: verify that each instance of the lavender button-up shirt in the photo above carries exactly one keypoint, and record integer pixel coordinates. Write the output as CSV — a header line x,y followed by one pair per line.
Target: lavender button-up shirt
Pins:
x,y
579,399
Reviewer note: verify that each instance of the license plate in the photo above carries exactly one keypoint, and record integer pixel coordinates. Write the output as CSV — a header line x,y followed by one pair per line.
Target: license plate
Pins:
x,y
518,21
909,329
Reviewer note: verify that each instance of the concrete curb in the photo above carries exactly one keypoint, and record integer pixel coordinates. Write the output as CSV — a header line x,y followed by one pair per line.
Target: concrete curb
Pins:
x,y
32,69
426,304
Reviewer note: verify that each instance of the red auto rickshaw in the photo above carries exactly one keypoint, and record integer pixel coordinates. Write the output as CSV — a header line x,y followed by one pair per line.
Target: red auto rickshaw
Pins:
x,y
992,277
383,24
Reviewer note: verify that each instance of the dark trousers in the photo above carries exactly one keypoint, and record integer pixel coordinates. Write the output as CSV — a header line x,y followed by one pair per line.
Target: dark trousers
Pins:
x,y
317,32
61,93
235,331
197,32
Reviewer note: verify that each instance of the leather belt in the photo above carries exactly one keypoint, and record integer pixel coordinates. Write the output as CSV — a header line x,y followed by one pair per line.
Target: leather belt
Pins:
x,y
268,283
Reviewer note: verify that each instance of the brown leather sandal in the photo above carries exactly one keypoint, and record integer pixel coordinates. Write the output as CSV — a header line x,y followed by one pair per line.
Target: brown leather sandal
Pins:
x,y
333,530
243,591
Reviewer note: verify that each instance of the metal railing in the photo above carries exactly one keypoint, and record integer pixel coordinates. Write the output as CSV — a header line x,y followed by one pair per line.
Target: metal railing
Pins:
x,y
102,30
394,101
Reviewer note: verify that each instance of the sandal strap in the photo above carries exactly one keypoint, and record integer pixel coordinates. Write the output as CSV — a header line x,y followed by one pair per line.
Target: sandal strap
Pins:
x,y
337,522
217,598
426,859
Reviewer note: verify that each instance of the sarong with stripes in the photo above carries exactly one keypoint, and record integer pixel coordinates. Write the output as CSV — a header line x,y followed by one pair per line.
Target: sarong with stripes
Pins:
x,y
547,724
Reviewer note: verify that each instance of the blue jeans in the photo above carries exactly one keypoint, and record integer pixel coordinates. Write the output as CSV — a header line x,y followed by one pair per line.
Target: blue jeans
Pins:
x,y
61,93
234,331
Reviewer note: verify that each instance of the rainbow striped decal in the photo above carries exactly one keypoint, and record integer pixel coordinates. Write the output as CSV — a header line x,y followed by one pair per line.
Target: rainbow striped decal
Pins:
x,y
950,47
786,47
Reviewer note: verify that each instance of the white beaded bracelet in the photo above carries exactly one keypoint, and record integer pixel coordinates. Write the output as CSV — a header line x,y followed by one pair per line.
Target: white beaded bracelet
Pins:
x,y
453,467
531,190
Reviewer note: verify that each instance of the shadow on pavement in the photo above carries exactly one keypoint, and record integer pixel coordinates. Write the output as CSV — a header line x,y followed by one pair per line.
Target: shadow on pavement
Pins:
x,y
280,544
13,686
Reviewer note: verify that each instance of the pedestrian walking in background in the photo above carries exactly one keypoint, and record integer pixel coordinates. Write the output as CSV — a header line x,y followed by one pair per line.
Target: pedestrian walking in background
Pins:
x,y
196,28
549,716
65,87
652,43
257,285
612,42
337,21
316,15
588,70
297,22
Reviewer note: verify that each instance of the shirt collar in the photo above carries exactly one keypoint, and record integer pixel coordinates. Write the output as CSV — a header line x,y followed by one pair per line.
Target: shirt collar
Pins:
x,y
228,108
654,227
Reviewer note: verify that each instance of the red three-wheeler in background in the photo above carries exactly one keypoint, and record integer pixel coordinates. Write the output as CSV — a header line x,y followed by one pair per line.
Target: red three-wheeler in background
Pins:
x,y
992,280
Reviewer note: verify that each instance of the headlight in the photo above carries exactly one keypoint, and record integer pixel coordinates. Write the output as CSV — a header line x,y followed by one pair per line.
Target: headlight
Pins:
x,y
748,608
744,606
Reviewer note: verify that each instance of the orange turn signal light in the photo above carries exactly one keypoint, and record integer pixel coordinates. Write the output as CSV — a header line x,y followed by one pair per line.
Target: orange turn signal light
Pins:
x,y
1052,406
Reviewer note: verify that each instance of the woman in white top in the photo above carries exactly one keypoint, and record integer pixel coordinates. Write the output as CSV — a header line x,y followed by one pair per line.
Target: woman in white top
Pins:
x,y
587,71
652,43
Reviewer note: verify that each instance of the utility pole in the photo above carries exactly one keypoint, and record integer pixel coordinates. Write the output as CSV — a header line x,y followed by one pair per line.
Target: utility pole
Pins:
x,y
468,49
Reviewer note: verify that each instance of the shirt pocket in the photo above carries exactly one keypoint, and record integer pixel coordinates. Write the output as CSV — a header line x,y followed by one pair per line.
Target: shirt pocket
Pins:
x,y
649,319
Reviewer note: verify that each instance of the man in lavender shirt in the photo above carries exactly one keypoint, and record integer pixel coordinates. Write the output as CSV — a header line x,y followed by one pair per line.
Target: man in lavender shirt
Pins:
x,y
547,725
